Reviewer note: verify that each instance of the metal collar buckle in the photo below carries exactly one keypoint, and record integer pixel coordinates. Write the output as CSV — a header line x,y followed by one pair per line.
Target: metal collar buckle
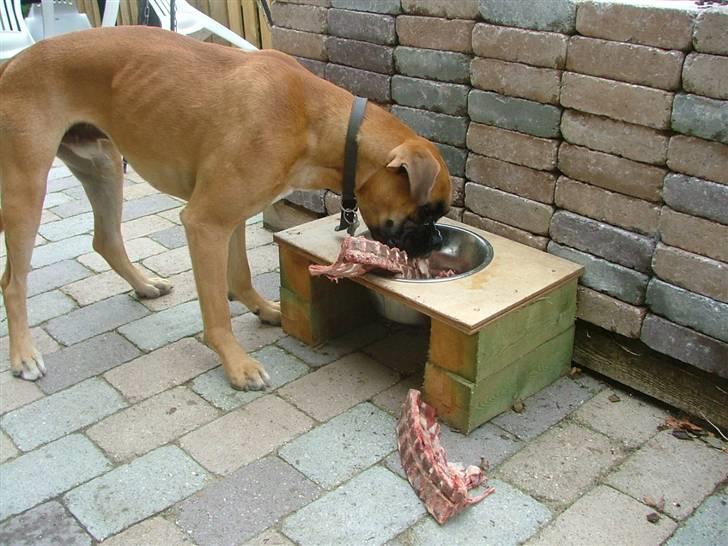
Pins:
x,y
349,220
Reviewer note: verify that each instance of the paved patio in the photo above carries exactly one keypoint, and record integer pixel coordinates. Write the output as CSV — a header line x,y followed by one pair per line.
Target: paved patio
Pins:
x,y
135,438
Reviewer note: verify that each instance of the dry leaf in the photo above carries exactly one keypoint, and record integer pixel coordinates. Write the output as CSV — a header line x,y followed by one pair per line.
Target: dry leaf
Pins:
x,y
657,504
682,424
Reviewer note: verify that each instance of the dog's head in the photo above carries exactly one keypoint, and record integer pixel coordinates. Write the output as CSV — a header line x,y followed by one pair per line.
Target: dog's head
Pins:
x,y
401,202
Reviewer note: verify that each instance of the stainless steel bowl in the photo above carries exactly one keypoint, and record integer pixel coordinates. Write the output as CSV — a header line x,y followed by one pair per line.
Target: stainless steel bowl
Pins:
x,y
463,251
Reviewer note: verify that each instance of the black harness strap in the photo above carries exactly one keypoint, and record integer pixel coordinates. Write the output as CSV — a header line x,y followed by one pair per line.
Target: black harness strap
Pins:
x,y
349,218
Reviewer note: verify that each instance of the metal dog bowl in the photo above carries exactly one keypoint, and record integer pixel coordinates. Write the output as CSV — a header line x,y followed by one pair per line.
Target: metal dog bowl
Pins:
x,y
462,251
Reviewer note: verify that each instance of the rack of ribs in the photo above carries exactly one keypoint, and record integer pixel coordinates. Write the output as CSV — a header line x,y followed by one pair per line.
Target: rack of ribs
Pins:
x,y
443,487
359,255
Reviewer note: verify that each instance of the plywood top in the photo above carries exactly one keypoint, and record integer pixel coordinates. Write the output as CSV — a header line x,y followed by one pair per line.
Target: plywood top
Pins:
x,y
516,275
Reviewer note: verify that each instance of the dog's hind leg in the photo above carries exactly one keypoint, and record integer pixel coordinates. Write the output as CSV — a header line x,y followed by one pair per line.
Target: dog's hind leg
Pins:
x,y
23,191
98,165
240,285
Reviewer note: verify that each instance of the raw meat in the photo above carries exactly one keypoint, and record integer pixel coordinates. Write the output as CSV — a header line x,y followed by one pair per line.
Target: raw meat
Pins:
x,y
443,487
359,255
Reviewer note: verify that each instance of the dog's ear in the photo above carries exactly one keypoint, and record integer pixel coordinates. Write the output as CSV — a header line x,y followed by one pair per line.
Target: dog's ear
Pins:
x,y
421,166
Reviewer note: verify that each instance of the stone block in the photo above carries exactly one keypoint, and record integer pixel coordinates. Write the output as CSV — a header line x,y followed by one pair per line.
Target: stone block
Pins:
x,y
606,206
98,287
66,249
603,276
329,520
699,158
9,451
242,505
54,276
150,204
438,127
45,306
609,313
625,62
650,472
504,230
458,191
148,225
68,227
359,25
43,342
404,351
605,516
154,531
170,262
697,197
692,272
444,66
73,364
701,117
446,98
618,100
364,55
546,49
688,309
685,344
299,43
611,172
514,147
435,33
516,80
454,158
706,525
694,234
15,392
137,249
315,67
710,35
360,82
170,238
463,9
376,6
261,427
706,75
553,15
319,3
561,464
312,200
615,137
299,17
46,525
66,463
523,181
525,116
508,208
612,243
135,491
660,25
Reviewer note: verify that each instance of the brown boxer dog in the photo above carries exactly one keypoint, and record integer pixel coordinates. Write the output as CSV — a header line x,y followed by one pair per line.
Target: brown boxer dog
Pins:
x,y
226,131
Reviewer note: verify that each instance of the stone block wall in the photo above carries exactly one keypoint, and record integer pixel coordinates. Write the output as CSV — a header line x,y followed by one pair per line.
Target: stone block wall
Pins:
x,y
594,130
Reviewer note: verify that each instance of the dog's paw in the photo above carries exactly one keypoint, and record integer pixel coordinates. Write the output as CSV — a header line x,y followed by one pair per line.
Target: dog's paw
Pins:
x,y
270,313
28,365
154,288
250,376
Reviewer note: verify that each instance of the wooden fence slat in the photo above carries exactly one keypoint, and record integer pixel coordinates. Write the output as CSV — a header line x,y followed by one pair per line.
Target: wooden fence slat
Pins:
x,y
266,38
250,22
235,16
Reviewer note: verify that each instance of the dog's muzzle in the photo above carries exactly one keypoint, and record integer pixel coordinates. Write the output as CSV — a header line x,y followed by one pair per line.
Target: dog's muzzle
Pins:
x,y
414,238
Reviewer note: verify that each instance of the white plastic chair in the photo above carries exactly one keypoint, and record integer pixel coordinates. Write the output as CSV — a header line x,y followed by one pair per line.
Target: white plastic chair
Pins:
x,y
54,17
194,23
14,33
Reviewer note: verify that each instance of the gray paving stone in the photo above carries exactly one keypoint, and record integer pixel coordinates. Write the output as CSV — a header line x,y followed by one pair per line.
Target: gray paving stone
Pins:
x,y
43,307
631,421
455,158
7,448
54,199
45,525
652,472
605,517
546,408
446,98
696,196
156,531
271,537
562,464
260,427
15,392
404,351
446,66
339,386
98,287
162,369
60,178
552,15
369,27
391,399
76,205
146,225
701,117
282,367
64,463
707,525
170,262
438,127
245,503
507,517
268,285
95,319
86,359
43,342
337,450
157,330
137,249
54,416
183,290
68,227
376,6
171,238
525,116
151,204
336,348
354,513
487,442
135,491
55,275
151,423
364,83
263,259
364,55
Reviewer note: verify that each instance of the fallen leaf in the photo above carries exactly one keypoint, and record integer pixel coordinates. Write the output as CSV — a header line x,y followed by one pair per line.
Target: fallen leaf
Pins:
x,y
519,406
682,424
575,372
682,434
653,517
614,398
657,504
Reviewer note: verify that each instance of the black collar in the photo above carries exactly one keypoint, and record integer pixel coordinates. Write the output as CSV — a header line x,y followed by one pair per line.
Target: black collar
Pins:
x,y
349,218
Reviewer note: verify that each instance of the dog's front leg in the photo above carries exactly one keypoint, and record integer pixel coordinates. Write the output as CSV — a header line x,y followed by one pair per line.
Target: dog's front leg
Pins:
x,y
240,284
208,239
